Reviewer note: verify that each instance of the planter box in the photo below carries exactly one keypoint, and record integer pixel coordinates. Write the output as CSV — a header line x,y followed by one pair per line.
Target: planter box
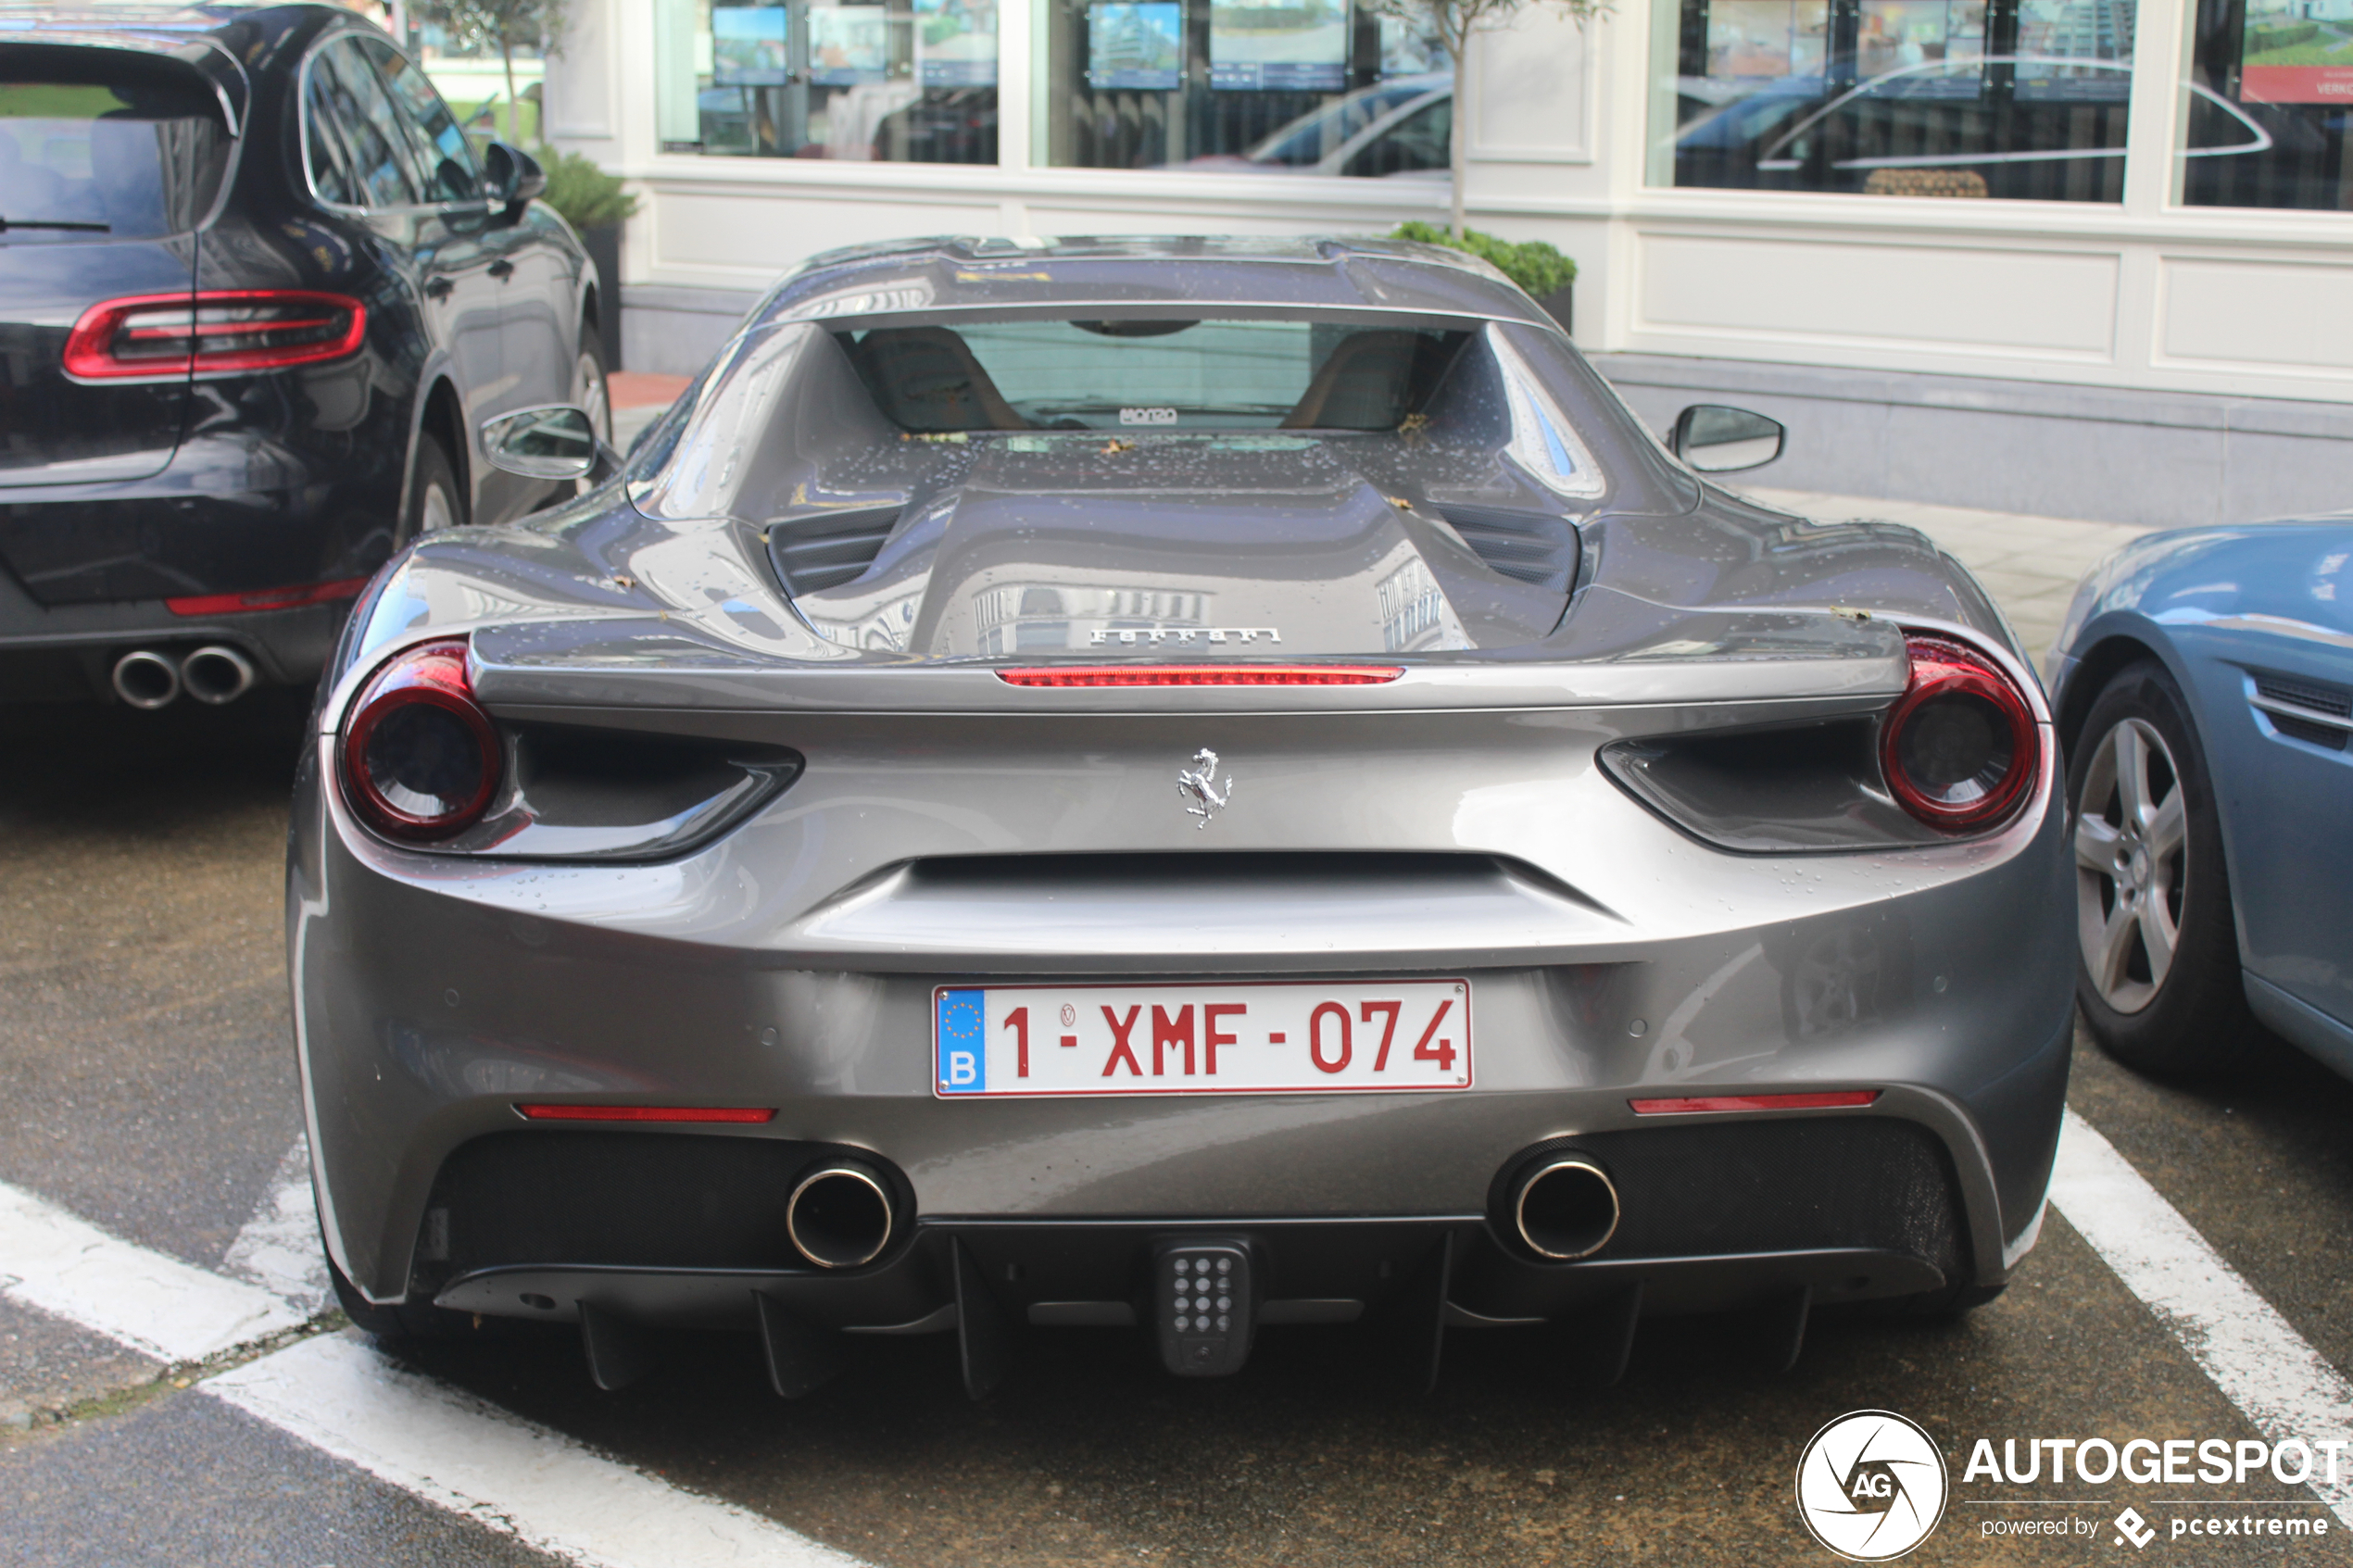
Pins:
x,y
1560,306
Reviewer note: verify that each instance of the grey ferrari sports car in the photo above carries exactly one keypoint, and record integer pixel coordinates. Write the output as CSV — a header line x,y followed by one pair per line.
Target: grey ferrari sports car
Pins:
x,y
1191,784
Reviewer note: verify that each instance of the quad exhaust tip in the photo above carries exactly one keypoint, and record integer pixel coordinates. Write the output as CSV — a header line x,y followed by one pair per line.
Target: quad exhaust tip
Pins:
x,y
145,678
215,674
840,1215
1566,1208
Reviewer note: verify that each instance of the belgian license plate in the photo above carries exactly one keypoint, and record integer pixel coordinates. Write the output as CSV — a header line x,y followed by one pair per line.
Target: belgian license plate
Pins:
x,y
1202,1037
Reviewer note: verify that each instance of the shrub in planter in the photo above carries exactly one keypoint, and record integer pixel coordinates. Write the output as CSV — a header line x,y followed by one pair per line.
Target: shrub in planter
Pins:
x,y
1534,265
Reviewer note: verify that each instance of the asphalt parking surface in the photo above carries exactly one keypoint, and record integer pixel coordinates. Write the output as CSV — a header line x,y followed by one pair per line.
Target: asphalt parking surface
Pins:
x,y
145,1060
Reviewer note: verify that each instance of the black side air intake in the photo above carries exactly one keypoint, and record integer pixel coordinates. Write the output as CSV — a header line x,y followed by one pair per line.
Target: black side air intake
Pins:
x,y
1528,547
826,549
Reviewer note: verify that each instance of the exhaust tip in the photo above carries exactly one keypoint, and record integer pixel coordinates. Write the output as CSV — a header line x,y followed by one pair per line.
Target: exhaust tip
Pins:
x,y
217,675
1566,1208
839,1216
147,679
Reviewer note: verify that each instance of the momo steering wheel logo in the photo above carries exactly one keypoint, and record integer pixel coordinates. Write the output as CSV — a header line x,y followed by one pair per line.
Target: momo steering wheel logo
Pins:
x,y
1871,1485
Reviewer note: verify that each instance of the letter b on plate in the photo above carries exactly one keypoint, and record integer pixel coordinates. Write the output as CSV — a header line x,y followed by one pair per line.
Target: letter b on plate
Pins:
x,y
962,1033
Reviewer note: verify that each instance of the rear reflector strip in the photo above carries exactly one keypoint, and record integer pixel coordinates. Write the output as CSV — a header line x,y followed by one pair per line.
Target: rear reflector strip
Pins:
x,y
1828,1102
1204,675
295,598
646,1112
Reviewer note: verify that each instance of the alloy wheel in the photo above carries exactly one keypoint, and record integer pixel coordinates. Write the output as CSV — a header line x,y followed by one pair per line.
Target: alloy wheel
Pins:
x,y
589,394
2132,844
436,510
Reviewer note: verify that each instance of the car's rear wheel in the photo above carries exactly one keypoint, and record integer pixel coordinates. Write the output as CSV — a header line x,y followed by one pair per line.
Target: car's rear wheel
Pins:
x,y
436,498
2158,975
400,1321
589,391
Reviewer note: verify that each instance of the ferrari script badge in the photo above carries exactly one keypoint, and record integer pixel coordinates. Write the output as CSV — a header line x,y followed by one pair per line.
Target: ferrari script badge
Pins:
x,y
1197,784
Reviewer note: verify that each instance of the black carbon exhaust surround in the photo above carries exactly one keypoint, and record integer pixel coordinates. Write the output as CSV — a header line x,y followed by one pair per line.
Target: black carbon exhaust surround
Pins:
x,y
1772,1185
634,1200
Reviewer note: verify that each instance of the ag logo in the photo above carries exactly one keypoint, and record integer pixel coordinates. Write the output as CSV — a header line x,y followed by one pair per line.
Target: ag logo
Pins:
x,y
1871,1485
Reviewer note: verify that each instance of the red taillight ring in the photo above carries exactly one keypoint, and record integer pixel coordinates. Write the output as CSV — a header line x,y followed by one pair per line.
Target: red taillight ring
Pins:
x,y
1942,667
431,674
89,352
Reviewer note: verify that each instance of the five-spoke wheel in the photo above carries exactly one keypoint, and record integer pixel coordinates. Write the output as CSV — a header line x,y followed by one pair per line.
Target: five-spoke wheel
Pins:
x,y
2159,975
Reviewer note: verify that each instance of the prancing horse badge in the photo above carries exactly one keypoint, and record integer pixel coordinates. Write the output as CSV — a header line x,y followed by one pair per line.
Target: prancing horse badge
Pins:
x,y
1197,784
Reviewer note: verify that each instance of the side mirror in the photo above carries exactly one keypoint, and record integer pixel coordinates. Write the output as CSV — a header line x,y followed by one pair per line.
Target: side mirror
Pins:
x,y
1714,439
511,176
554,442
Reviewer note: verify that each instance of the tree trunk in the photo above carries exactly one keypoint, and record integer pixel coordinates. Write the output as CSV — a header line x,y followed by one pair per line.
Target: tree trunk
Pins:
x,y
1457,137
514,105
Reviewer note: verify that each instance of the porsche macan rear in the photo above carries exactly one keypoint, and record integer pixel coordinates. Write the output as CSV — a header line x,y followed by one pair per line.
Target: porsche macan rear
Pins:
x,y
948,998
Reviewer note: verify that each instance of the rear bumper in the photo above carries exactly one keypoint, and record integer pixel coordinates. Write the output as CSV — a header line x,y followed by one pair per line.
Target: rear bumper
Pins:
x,y
432,994
689,1229
85,568
66,650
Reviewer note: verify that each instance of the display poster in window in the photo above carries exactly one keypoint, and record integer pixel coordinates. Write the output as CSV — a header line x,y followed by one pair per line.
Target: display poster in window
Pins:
x,y
1136,45
1278,45
849,44
747,47
956,43
2073,51
1767,40
1408,50
2297,52
1922,49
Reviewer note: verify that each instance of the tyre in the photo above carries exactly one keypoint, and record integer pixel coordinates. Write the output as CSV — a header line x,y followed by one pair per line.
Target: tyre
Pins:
x,y
589,391
400,1321
436,498
2157,971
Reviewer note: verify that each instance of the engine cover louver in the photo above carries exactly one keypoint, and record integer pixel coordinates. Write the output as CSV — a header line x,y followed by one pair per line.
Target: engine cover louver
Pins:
x,y
1528,547
826,549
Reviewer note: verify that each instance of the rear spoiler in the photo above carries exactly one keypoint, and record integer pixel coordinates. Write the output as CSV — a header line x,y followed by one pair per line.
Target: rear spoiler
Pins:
x,y
222,73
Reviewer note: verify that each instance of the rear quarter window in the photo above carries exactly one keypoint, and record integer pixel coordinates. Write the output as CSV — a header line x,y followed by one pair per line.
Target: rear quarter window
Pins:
x,y
93,149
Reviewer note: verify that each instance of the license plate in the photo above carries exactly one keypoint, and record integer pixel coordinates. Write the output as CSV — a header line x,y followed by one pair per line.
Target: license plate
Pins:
x,y
1270,1037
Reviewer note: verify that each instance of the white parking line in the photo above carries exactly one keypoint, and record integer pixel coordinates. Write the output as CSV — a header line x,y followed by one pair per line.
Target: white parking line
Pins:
x,y
452,1449
279,1247
2283,1387
172,1310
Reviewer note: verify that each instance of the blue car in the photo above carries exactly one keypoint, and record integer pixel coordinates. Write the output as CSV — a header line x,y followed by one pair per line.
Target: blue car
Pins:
x,y
2203,683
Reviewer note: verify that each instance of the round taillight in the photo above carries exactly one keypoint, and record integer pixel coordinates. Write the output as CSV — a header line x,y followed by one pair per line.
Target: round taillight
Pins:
x,y
421,758
1960,746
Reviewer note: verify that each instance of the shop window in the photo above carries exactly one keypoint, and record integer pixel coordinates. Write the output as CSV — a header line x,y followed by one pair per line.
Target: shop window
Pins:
x,y
1271,86
2270,107
897,81
1957,98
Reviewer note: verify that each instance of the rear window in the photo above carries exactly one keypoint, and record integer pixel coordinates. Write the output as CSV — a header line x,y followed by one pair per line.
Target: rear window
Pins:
x,y
1128,375
104,150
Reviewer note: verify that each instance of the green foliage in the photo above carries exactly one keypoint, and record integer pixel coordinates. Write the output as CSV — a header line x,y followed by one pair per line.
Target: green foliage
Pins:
x,y
1534,265
586,195
496,24
2261,39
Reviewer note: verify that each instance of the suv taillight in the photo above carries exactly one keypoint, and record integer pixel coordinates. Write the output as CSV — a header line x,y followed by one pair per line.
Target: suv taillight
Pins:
x,y
421,758
217,332
1960,746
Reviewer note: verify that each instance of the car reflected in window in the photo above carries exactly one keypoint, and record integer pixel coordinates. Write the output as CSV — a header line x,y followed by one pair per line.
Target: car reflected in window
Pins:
x,y
1997,126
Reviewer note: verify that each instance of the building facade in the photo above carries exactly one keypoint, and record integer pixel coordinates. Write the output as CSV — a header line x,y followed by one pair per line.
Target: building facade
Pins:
x,y
2084,258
